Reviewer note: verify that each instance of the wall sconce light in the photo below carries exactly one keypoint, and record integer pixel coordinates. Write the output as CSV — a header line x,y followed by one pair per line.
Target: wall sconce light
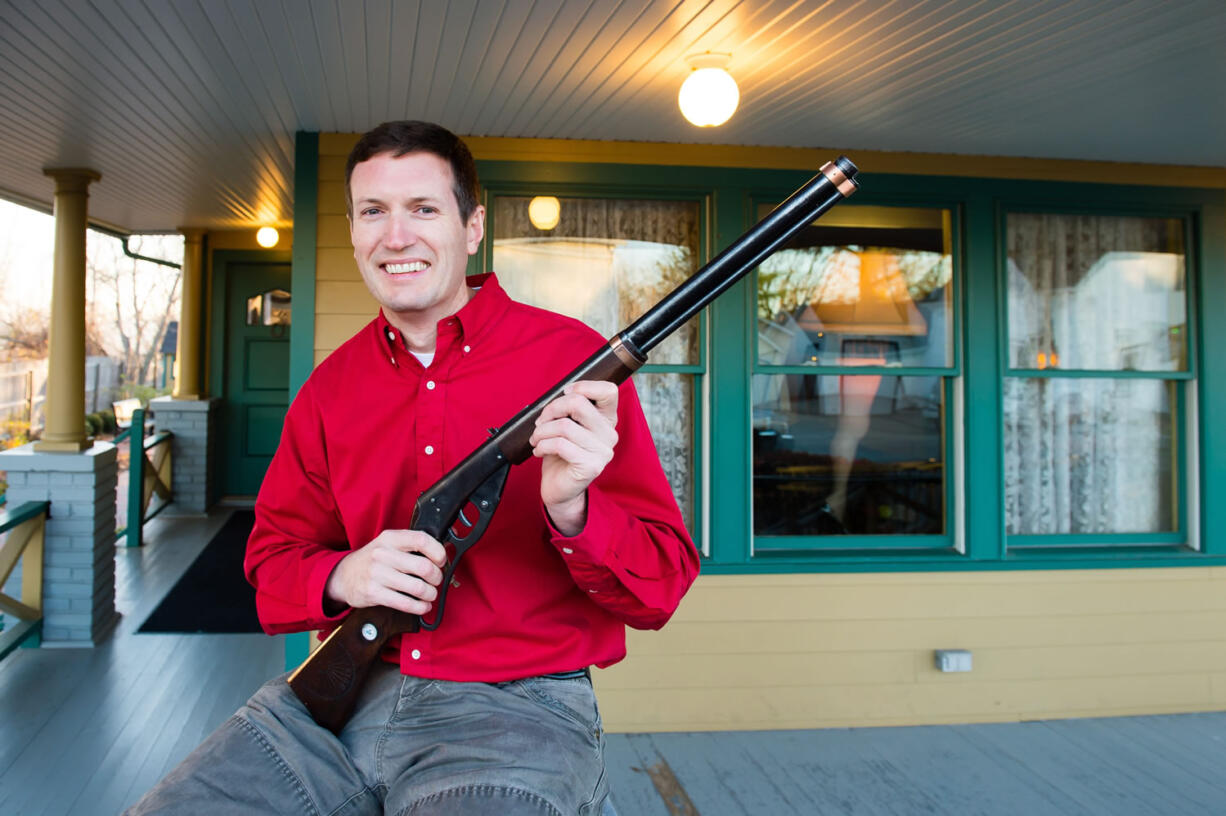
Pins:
x,y
709,95
267,237
544,212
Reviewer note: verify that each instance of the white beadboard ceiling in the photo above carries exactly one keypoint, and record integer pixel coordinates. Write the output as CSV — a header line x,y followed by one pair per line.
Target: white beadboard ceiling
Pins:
x,y
188,108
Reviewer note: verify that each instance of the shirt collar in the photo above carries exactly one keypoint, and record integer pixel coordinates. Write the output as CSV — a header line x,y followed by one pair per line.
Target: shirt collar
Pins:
x,y
481,312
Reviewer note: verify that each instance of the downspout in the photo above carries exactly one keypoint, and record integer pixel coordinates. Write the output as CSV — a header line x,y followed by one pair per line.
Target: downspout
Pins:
x,y
124,238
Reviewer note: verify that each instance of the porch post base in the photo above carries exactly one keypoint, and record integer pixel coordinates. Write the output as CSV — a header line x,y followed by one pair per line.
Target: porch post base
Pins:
x,y
79,547
194,425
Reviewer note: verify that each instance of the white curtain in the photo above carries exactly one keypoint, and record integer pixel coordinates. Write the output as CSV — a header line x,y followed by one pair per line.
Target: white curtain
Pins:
x,y
1095,293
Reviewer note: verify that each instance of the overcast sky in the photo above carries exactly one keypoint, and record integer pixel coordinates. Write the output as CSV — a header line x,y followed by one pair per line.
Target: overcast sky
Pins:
x,y
26,241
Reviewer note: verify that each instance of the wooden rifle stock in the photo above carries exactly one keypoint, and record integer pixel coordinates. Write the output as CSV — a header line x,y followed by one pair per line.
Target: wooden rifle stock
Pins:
x,y
329,681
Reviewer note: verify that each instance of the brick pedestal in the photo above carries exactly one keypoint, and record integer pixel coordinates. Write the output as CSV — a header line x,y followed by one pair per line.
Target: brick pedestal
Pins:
x,y
79,554
194,425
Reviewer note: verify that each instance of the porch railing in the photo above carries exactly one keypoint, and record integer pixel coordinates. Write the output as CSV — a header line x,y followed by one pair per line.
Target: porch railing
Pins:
x,y
25,526
149,474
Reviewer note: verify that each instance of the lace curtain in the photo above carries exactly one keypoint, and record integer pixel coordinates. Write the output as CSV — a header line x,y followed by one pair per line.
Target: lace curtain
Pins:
x,y
1092,293
606,263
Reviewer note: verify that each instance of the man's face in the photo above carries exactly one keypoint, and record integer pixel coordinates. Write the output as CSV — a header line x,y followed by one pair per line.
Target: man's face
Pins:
x,y
410,243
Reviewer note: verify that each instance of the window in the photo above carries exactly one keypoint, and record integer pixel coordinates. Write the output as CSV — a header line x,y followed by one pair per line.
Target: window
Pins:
x,y
851,382
271,308
606,261
1098,365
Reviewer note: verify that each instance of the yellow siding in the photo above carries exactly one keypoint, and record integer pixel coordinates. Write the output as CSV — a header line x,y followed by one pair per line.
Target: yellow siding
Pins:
x,y
821,650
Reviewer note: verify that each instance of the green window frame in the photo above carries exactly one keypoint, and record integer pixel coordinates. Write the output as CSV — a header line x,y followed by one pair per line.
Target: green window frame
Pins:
x,y
950,541
1186,415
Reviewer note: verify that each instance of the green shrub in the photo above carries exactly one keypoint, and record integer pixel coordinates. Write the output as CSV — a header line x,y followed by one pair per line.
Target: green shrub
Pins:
x,y
108,421
93,424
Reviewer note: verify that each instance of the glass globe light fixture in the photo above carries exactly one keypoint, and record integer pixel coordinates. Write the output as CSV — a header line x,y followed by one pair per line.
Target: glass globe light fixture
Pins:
x,y
544,212
709,95
267,237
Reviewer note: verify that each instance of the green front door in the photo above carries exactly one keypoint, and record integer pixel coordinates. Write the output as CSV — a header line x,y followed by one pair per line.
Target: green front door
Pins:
x,y
258,319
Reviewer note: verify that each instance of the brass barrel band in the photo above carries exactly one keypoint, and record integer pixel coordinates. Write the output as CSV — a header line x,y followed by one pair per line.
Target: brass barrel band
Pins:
x,y
838,178
628,358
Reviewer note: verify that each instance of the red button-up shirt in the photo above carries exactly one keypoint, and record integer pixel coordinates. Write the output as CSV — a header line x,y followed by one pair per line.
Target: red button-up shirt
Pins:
x,y
371,429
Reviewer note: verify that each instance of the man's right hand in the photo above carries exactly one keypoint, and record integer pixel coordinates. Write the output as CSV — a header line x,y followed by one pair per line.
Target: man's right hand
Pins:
x,y
399,569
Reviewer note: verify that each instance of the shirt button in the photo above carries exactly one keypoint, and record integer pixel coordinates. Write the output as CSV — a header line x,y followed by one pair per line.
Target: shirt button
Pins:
x,y
415,654
391,335
467,349
593,591
567,550
429,449
430,385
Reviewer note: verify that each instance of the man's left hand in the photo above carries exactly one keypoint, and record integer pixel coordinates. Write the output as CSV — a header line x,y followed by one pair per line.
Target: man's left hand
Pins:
x,y
574,438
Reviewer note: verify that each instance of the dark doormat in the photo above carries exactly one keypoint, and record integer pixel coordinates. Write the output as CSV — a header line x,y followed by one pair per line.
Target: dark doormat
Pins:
x,y
213,595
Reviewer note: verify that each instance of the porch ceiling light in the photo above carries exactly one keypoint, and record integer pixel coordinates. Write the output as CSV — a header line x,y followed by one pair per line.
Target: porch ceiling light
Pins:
x,y
544,212
709,95
267,237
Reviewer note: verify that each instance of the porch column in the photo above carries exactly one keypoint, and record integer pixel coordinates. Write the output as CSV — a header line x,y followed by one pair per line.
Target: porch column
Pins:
x,y
65,407
188,413
188,384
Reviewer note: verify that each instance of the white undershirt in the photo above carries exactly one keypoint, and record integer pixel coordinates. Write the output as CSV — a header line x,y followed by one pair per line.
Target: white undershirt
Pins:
x,y
424,357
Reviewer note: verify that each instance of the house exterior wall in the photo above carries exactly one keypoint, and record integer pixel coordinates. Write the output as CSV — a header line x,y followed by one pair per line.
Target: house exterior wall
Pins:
x,y
812,645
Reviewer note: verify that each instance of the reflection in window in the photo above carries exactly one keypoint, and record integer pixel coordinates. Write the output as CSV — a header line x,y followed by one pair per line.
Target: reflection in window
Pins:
x,y
271,308
848,454
877,273
606,262
1096,293
1090,455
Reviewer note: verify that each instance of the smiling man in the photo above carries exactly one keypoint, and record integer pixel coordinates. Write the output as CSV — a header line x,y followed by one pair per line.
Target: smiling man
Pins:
x,y
493,712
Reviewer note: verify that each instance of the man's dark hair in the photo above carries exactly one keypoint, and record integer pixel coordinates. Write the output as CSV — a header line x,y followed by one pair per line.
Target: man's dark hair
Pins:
x,y
411,136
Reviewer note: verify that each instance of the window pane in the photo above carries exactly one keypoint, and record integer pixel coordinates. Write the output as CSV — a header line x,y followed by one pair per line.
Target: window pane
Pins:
x,y
882,274
851,454
271,308
1096,292
1089,455
668,403
606,262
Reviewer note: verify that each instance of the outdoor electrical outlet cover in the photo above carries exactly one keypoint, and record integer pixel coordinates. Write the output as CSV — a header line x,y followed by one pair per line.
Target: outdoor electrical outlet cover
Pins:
x,y
953,660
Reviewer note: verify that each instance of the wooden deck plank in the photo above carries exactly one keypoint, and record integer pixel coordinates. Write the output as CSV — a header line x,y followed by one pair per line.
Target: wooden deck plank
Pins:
x,y
631,787
118,712
1166,776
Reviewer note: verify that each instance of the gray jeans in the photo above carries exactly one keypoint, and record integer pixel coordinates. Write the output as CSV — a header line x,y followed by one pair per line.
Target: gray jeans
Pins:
x,y
413,747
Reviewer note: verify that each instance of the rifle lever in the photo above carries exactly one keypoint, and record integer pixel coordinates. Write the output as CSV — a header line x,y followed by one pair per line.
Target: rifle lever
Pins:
x,y
485,498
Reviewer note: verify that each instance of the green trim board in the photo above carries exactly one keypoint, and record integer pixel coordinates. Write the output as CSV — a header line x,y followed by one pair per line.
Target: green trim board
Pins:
x,y
302,279
1210,340
306,215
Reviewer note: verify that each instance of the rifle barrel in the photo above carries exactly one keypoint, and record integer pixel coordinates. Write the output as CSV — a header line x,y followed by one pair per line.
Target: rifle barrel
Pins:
x,y
836,181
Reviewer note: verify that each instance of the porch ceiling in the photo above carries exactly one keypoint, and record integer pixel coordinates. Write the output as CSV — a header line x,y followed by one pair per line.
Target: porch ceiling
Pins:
x,y
188,108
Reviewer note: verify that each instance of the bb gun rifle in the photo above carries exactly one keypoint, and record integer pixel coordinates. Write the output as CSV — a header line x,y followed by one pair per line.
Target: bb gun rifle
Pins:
x,y
457,509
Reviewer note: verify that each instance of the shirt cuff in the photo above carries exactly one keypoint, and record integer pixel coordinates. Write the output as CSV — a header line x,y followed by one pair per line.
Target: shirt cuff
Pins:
x,y
316,583
591,544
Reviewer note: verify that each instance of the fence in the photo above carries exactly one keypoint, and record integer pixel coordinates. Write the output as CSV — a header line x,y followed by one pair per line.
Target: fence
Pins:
x,y
23,389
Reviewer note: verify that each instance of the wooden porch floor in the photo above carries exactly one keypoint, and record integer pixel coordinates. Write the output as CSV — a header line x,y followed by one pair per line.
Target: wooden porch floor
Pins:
x,y
87,731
